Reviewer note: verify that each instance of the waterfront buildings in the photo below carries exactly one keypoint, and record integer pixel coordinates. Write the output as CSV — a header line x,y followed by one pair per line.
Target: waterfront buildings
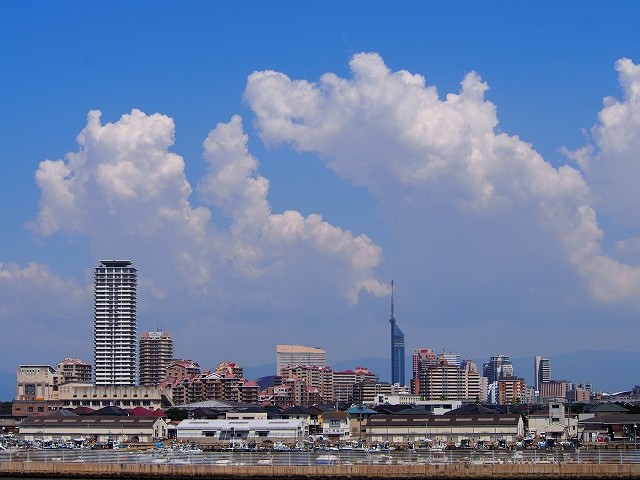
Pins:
x,y
155,356
294,355
397,348
449,428
102,428
114,332
241,431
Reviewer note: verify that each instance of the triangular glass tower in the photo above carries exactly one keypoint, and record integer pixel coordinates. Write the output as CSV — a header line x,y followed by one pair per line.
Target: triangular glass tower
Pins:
x,y
397,348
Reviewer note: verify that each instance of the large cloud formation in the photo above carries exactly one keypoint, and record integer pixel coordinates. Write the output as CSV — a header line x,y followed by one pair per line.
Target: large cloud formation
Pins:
x,y
128,194
485,231
390,132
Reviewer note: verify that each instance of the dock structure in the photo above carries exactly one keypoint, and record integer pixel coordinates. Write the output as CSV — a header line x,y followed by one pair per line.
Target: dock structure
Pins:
x,y
337,472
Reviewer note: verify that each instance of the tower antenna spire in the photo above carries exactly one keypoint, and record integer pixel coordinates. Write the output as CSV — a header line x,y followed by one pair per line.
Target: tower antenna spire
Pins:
x,y
393,317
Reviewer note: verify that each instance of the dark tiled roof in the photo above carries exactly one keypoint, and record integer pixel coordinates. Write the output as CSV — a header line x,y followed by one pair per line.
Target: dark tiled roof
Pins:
x,y
63,413
615,419
112,410
101,420
606,408
475,409
443,420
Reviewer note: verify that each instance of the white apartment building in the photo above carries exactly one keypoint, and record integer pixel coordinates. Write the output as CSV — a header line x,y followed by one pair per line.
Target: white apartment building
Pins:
x,y
114,333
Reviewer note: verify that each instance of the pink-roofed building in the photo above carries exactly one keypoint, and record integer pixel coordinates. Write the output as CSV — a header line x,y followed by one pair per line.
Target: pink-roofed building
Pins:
x,y
180,369
229,368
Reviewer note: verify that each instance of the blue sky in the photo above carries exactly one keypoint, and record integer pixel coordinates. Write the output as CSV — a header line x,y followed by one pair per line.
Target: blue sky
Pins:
x,y
269,167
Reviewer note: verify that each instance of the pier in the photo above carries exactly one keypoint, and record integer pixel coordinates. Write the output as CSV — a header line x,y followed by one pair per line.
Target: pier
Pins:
x,y
454,464
449,471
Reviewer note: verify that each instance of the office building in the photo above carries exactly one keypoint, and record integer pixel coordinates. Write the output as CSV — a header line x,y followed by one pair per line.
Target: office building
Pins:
x,y
397,348
452,358
156,356
114,332
497,367
294,355
541,371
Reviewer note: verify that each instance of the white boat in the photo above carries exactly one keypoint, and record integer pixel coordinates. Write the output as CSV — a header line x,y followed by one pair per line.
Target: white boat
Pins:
x,y
281,447
327,460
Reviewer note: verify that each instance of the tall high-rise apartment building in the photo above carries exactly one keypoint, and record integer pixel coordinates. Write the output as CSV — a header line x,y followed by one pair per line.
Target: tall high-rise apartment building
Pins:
x,y
446,381
397,348
497,367
422,359
155,357
541,371
294,355
114,328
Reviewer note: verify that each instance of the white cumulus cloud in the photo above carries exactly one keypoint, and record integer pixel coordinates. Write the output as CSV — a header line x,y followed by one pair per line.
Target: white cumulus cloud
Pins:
x,y
127,193
428,159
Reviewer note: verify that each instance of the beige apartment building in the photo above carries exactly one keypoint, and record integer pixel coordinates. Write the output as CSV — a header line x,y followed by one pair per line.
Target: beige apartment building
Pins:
x,y
155,356
72,395
343,383
444,381
293,355
73,370
314,376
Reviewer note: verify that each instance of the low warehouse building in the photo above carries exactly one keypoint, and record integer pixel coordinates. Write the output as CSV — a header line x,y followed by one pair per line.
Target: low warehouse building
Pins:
x,y
402,429
100,428
238,431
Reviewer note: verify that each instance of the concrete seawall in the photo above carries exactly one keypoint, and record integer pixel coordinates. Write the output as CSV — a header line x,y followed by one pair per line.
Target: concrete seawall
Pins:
x,y
351,472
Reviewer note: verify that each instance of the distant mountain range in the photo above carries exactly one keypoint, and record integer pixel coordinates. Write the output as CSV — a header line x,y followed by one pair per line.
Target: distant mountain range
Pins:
x,y
606,370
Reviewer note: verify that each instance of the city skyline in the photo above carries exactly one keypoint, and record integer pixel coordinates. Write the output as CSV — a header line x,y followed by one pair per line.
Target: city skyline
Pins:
x,y
269,179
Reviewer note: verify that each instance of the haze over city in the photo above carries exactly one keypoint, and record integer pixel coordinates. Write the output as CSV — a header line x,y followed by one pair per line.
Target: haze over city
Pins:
x,y
270,168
